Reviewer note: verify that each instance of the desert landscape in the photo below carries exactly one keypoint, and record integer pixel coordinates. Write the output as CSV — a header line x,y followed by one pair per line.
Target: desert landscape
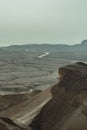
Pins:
x,y
43,65
40,87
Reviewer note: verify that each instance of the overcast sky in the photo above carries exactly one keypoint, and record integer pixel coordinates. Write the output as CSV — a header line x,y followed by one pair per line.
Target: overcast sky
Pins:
x,y
43,21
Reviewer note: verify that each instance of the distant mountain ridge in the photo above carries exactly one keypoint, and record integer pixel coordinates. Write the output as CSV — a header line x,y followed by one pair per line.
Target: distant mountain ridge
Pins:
x,y
51,47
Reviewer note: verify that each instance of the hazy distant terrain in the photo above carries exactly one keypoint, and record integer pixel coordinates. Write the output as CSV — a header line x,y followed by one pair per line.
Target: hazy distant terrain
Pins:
x,y
21,68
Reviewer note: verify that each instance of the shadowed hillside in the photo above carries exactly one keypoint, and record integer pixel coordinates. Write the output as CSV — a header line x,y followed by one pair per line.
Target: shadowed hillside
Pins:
x,y
67,110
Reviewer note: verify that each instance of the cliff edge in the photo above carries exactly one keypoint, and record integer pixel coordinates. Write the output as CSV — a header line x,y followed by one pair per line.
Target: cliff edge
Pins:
x,y
67,110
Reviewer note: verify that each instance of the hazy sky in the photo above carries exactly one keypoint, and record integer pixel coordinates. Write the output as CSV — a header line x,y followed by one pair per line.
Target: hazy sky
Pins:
x,y
43,21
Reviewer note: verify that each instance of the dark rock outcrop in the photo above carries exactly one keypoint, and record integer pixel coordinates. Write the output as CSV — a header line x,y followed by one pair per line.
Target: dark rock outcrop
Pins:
x,y
84,42
67,110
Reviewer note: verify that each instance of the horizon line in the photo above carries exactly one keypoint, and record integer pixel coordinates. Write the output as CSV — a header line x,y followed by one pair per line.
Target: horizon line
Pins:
x,y
39,43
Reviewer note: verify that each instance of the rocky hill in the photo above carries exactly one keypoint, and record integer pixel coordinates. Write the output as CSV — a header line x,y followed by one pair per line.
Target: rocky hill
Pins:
x,y
67,110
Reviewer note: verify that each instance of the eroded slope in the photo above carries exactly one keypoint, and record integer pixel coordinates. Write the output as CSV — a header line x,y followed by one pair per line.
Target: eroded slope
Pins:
x,y
67,110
